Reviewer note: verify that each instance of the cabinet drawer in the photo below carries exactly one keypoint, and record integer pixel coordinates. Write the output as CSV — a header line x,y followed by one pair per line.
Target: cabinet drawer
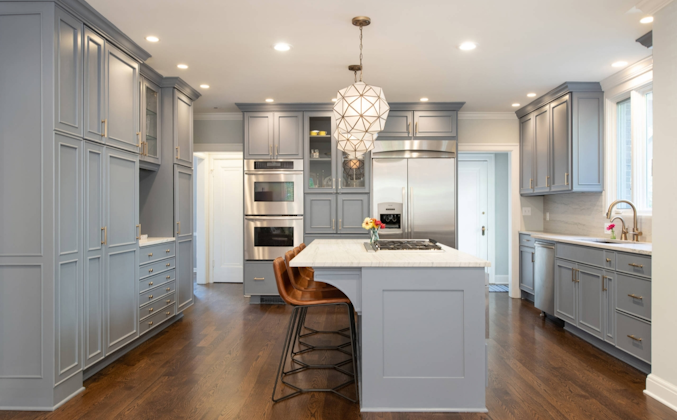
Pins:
x,y
633,295
639,345
157,306
609,260
156,252
582,254
156,280
526,240
157,319
639,265
156,292
156,267
259,279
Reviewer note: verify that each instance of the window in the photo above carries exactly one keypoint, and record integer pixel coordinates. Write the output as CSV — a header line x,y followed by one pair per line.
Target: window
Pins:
x,y
634,148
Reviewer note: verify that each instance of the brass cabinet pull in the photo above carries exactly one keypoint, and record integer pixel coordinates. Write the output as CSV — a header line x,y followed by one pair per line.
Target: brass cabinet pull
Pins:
x,y
575,278
270,150
167,265
178,228
150,271
150,310
547,181
168,313
531,183
150,323
416,128
168,251
105,127
167,277
178,152
105,235
150,283
634,338
140,145
409,128
150,297
333,226
340,181
566,178
636,265
532,257
169,300
277,151
604,278
608,260
150,255
139,228
340,220
259,278
169,288
634,296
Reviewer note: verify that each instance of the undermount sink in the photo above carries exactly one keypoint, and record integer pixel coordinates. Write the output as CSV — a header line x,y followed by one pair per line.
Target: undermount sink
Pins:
x,y
613,241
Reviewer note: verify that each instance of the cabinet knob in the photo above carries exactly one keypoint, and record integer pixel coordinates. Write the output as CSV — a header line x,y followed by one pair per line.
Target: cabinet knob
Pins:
x,y
150,271
168,313
169,288
167,277
167,265
150,310
150,323
150,297
150,283
169,300
608,260
168,251
150,255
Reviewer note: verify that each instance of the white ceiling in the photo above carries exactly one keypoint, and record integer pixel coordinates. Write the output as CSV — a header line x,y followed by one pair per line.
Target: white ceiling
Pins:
x,y
410,49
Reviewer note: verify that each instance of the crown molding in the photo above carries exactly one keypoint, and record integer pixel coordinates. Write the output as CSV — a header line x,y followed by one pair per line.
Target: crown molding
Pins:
x,y
650,7
560,90
149,73
394,106
630,72
182,86
487,116
219,116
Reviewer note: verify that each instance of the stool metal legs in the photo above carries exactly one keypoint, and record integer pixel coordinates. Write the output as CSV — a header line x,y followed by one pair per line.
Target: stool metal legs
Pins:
x,y
294,333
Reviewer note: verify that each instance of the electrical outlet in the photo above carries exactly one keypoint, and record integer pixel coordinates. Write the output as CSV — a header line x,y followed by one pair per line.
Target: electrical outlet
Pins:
x,y
526,211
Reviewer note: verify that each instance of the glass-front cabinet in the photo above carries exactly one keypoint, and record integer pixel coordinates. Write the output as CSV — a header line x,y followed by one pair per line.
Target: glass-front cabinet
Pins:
x,y
328,169
150,122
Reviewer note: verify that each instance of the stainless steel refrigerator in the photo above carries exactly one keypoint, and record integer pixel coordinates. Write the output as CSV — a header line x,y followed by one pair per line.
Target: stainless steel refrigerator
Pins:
x,y
414,189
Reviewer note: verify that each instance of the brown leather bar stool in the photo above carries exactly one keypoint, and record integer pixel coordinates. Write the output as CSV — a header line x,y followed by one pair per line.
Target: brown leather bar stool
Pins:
x,y
301,301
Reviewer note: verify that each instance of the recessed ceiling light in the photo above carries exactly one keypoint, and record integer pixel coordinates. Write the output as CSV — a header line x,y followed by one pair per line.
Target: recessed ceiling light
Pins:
x,y
152,39
270,100
333,99
515,105
424,99
204,86
282,47
182,66
467,46
647,19
619,64
531,95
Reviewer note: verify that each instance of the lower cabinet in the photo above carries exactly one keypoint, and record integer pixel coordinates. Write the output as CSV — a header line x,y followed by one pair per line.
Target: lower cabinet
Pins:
x,y
259,278
590,282
157,285
183,223
565,291
527,269
335,213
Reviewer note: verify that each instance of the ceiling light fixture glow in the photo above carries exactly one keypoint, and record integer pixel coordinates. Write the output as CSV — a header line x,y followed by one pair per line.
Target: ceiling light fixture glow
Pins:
x,y
204,86
647,19
333,99
619,64
282,47
467,46
515,105
270,100
424,99
182,66
531,95
152,39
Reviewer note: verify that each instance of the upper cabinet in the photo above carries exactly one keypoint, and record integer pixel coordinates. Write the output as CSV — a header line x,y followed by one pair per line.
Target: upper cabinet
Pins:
x,y
273,135
183,129
111,94
561,141
403,125
150,122
68,93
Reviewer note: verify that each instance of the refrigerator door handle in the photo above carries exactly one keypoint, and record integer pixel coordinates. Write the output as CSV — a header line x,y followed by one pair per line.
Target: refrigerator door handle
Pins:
x,y
405,221
411,211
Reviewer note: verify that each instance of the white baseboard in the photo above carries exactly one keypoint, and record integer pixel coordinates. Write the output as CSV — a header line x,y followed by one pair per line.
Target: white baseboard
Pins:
x,y
661,391
501,279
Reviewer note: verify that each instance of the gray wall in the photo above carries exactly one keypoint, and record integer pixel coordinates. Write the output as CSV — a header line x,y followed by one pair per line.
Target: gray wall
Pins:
x,y
218,131
502,210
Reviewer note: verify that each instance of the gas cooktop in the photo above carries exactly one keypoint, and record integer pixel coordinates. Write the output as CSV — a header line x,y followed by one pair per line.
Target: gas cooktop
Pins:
x,y
422,245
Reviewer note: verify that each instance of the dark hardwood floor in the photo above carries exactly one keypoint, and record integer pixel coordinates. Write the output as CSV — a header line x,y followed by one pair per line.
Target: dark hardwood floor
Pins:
x,y
220,361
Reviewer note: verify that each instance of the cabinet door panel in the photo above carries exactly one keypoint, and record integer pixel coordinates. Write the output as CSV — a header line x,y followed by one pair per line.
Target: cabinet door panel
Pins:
x,y
352,210
122,299
610,307
150,122
287,134
122,101
560,144
565,291
258,135
184,273
590,300
183,224
527,153
542,150
399,125
94,69
587,141
68,92
527,269
122,198
183,129
322,168
434,123
320,214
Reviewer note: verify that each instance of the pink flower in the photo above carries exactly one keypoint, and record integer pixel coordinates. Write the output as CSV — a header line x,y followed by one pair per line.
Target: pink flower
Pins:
x,y
611,226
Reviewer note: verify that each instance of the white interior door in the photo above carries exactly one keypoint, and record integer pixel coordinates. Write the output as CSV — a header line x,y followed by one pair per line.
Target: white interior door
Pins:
x,y
227,218
473,208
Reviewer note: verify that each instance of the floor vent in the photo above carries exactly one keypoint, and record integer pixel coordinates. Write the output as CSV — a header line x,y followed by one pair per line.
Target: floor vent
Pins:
x,y
271,300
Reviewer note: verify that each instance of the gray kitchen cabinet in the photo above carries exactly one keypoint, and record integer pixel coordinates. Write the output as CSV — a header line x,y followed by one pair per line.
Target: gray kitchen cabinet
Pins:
x,y
561,141
68,97
352,210
527,269
541,174
565,291
95,240
435,124
183,129
259,278
398,125
609,306
320,171
590,284
258,135
93,73
320,213
121,100
287,135
183,222
121,252
150,122
526,154
353,173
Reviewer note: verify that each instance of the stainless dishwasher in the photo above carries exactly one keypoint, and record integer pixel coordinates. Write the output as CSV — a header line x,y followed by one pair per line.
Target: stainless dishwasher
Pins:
x,y
544,277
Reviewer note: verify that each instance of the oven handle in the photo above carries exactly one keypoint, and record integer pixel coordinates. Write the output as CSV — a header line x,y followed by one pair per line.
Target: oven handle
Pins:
x,y
273,217
273,172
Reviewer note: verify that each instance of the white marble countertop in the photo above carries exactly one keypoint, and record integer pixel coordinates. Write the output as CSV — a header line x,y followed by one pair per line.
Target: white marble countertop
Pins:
x,y
351,253
154,241
644,248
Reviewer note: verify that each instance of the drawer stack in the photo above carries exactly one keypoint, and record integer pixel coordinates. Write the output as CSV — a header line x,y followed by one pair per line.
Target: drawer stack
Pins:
x,y
157,285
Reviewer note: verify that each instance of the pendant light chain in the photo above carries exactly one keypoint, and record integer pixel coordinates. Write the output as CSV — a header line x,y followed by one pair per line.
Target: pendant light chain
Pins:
x,y
361,68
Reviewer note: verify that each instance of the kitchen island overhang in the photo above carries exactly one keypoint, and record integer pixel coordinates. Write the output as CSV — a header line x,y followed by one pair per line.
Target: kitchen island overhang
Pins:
x,y
421,323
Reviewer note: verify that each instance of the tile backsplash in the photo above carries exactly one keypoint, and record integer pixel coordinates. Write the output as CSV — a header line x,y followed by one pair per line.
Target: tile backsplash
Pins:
x,y
583,214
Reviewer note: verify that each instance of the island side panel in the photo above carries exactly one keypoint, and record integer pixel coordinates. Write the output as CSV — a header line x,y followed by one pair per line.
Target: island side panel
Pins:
x,y
423,339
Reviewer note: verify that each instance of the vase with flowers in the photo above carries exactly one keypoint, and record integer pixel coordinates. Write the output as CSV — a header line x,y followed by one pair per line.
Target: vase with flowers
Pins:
x,y
611,227
373,226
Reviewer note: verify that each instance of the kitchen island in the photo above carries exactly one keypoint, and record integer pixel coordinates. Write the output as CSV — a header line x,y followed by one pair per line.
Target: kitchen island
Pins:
x,y
421,323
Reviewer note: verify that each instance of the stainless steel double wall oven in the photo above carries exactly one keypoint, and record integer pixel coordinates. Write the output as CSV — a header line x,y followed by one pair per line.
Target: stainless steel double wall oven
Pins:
x,y
273,208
